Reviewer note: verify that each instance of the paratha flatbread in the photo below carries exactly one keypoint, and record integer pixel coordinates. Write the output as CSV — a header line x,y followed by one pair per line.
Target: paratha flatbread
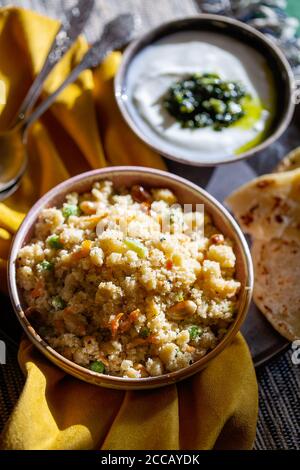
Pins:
x,y
277,284
290,162
269,206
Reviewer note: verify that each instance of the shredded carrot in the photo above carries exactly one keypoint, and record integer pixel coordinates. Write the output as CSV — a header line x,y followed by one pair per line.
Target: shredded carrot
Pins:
x,y
59,326
134,315
169,264
152,339
115,323
146,207
142,369
68,310
83,251
38,290
88,207
190,349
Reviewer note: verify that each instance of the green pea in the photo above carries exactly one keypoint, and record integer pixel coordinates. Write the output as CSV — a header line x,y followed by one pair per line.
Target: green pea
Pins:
x,y
70,209
54,242
97,366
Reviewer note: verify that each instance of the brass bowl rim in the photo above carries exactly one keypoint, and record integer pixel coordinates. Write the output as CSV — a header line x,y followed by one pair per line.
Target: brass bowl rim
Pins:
x,y
108,380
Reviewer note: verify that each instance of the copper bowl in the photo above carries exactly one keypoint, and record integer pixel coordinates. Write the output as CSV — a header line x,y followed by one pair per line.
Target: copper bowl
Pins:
x,y
186,192
278,65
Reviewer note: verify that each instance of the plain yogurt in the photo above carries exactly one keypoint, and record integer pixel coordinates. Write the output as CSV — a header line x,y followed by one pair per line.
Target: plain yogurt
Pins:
x,y
158,66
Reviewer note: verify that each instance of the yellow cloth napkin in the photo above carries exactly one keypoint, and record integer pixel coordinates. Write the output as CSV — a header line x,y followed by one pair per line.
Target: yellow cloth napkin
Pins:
x,y
216,408
82,130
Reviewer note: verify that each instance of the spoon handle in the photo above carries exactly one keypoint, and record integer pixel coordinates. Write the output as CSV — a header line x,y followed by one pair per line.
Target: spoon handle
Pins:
x,y
116,34
73,24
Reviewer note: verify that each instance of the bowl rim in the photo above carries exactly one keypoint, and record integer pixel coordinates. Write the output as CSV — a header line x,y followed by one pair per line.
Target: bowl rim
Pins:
x,y
109,380
147,38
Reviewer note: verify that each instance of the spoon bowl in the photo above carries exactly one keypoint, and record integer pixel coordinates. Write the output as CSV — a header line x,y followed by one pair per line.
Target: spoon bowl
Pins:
x,y
13,159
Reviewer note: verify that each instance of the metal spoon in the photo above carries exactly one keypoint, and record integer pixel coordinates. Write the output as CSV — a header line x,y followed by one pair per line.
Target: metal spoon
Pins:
x,y
12,160
71,27
13,157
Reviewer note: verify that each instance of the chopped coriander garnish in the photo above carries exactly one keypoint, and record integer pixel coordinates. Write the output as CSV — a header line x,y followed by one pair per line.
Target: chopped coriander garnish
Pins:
x,y
144,332
195,332
70,209
97,366
54,242
45,266
58,303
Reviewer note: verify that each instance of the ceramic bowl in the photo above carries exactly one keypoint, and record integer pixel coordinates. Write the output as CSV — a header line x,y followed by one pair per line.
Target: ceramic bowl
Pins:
x,y
279,68
186,192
